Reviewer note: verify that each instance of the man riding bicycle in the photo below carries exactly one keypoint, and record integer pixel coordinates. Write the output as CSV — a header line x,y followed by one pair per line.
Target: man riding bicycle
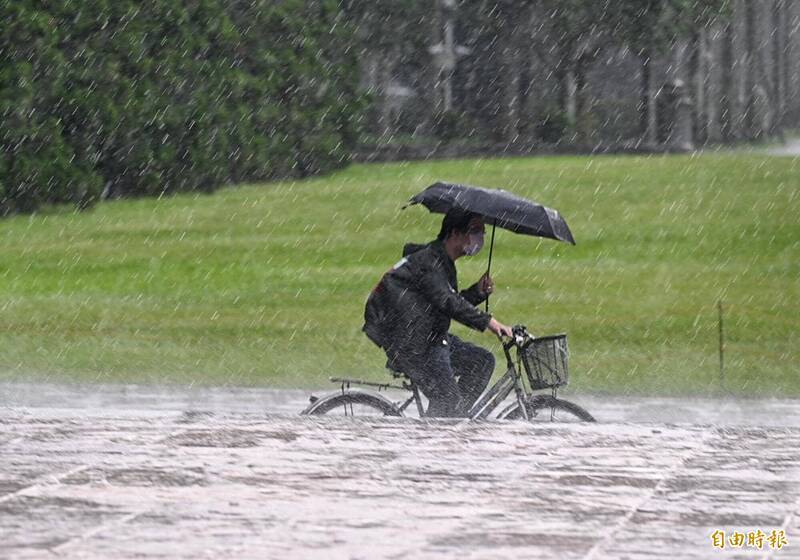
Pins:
x,y
408,314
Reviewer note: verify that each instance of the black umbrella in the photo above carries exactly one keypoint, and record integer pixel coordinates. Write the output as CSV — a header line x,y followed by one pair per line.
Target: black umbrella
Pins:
x,y
499,207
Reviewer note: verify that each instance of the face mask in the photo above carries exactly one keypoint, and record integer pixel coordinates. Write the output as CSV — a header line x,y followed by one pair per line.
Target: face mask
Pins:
x,y
475,244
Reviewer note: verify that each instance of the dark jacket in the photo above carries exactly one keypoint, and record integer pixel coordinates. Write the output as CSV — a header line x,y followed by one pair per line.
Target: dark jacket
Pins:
x,y
411,307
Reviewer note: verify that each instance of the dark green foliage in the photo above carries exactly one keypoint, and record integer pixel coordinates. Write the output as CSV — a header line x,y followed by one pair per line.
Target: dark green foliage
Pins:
x,y
156,96
552,126
451,125
648,27
37,163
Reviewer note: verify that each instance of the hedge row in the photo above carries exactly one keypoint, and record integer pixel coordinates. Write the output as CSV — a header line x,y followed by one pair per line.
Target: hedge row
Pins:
x,y
132,97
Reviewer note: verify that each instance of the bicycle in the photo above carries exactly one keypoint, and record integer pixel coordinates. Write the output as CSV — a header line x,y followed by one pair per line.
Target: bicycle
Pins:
x,y
543,359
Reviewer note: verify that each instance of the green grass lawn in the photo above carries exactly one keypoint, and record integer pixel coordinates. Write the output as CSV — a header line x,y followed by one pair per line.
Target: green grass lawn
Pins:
x,y
265,284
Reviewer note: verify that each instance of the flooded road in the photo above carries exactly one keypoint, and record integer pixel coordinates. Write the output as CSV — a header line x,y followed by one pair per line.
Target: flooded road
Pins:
x,y
125,472
148,399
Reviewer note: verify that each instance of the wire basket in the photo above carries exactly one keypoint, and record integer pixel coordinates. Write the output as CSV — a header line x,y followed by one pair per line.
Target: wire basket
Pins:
x,y
546,361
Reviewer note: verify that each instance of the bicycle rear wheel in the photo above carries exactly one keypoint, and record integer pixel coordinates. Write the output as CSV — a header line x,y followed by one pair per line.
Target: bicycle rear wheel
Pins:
x,y
358,404
546,408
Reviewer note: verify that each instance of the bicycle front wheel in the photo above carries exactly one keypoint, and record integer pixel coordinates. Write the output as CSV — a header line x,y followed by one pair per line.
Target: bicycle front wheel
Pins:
x,y
358,404
546,408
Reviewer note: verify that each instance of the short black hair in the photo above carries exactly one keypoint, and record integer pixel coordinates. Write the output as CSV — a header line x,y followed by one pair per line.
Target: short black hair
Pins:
x,y
456,219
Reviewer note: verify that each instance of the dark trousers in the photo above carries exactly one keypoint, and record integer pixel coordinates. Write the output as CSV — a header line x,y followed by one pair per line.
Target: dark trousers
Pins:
x,y
452,376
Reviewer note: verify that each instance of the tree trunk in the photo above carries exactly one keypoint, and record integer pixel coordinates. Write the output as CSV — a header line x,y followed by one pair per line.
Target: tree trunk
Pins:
x,y
763,55
583,128
759,112
681,136
648,101
384,81
779,53
792,62
698,74
739,66
509,113
568,95
714,89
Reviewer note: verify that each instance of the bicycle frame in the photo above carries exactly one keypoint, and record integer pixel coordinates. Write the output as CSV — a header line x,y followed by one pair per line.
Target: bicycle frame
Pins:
x,y
527,405
497,393
483,407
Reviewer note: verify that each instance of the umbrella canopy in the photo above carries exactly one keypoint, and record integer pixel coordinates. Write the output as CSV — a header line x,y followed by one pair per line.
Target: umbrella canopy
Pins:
x,y
498,207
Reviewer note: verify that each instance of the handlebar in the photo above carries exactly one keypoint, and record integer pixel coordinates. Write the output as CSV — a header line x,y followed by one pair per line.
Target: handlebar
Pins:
x,y
520,334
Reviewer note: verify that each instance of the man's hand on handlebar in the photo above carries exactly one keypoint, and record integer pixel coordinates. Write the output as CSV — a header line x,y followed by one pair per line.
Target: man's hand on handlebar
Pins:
x,y
499,328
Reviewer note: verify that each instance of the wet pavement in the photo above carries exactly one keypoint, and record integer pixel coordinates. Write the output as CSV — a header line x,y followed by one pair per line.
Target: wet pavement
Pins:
x,y
124,472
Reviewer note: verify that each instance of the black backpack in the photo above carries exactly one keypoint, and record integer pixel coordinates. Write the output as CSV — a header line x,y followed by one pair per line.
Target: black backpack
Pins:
x,y
376,312
379,311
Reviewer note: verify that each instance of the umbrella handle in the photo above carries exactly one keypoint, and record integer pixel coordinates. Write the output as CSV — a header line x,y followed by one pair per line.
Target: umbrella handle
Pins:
x,y
489,267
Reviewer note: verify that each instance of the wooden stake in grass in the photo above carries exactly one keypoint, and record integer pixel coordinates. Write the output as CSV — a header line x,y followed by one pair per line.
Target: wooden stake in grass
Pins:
x,y
721,347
